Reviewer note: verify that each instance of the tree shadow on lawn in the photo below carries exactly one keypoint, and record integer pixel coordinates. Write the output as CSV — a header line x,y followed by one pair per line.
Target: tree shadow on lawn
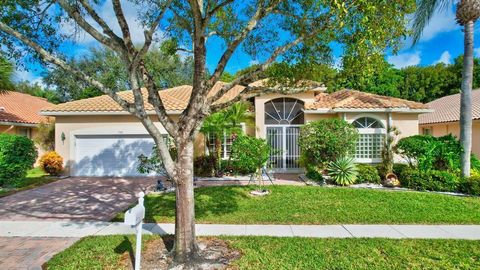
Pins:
x,y
211,201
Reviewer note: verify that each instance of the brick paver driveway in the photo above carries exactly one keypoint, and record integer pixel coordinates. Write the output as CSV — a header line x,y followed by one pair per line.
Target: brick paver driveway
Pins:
x,y
30,252
76,198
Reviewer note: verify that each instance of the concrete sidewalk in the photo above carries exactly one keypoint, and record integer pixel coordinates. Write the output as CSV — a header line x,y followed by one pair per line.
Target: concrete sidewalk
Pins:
x,y
82,229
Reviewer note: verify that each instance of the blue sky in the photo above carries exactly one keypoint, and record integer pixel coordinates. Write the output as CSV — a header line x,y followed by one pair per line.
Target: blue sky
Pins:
x,y
442,41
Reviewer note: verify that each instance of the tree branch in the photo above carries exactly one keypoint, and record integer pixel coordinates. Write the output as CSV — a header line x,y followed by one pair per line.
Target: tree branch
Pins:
x,y
75,14
248,77
218,7
252,23
106,29
122,21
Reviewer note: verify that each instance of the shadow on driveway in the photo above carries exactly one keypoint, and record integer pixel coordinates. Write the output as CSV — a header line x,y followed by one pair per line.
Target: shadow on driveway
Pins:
x,y
76,198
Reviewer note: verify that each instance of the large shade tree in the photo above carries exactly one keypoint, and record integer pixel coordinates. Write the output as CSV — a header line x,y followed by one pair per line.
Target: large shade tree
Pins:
x,y
300,30
468,11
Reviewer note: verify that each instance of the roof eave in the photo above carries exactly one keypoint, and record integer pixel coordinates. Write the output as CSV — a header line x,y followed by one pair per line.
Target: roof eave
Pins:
x,y
85,113
18,124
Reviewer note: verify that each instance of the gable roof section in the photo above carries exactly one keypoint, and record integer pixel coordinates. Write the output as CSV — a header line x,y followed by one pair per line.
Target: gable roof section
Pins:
x,y
351,99
21,108
174,99
447,109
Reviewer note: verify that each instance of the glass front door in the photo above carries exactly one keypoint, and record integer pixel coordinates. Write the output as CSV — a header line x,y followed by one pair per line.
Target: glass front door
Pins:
x,y
285,150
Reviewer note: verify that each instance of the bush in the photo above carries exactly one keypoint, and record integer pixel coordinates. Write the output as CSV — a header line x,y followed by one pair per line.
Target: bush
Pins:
x,y
17,156
51,163
249,153
470,185
204,166
428,152
399,169
325,141
45,135
432,180
367,174
343,171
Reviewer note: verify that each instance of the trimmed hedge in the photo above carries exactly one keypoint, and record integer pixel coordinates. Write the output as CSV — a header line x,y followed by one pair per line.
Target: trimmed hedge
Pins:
x,y
17,156
367,174
470,185
432,180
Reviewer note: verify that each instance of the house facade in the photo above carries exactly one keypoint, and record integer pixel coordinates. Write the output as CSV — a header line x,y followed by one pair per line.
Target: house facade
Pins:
x,y
20,114
445,119
97,138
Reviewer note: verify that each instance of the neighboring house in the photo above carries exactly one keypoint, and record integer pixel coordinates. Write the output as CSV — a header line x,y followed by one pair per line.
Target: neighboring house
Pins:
x,y
446,118
20,114
98,138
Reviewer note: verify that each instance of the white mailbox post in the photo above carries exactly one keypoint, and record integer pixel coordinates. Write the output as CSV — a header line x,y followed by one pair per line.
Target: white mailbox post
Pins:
x,y
134,217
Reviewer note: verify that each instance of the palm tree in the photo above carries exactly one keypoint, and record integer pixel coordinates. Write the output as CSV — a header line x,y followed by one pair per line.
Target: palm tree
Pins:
x,y
468,11
225,123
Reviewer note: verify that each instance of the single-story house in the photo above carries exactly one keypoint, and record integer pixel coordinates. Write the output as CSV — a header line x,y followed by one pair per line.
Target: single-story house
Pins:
x,y
20,114
97,138
446,118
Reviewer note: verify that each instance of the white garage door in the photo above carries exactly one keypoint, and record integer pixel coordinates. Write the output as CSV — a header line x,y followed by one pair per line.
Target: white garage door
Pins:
x,y
110,155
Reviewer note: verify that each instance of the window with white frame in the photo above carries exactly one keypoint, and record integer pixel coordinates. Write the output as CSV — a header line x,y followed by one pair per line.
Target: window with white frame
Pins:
x,y
226,144
370,141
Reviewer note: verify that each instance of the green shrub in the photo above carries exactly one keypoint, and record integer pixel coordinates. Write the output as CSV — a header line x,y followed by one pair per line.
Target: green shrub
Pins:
x,y
428,152
343,171
314,175
325,141
249,153
470,185
399,169
430,180
17,156
234,168
367,174
204,166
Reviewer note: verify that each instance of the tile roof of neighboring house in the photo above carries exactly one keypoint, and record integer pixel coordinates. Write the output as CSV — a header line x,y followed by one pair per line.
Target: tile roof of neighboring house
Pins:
x,y
447,109
174,99
21,108
352,99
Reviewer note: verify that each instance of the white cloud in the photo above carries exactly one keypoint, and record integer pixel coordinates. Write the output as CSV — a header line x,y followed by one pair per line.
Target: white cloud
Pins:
x,y
477,52
25,75
404,59
445,58
105,11
253,62
441,22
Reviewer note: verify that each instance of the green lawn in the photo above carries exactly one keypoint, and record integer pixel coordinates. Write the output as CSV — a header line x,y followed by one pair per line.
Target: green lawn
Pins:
x,y
104,252
35,178
316,205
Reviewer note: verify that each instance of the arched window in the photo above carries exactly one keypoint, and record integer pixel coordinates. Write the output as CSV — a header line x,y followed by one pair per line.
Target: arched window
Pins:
x,y
284,111
370,141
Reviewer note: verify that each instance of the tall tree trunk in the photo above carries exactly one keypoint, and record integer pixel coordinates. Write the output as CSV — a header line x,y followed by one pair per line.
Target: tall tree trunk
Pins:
x,y
466,100
185,243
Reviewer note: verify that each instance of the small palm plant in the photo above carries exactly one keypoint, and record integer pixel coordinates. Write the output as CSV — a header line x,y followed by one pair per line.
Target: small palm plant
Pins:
x,y
343,171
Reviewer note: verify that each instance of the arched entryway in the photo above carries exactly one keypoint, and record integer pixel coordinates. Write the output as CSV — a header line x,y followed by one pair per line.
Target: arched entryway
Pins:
x,y
283,118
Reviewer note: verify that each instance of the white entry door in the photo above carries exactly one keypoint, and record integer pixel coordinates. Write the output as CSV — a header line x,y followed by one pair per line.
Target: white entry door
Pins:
x,y
285,150
110,155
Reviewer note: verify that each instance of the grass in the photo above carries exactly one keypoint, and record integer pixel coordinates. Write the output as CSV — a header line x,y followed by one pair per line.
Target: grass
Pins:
x,y
104,252
315,205
35,178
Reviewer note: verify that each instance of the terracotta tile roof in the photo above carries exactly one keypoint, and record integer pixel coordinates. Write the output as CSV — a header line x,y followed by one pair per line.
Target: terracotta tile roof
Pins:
x,y
447,109
17,107
174,99
352,99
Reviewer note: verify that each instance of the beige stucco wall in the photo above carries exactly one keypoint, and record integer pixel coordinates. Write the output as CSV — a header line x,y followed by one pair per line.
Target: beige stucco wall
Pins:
x,y
260,101
453,128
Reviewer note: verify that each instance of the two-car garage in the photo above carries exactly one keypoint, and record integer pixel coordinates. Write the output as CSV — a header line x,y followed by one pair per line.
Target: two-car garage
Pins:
x,y
109,155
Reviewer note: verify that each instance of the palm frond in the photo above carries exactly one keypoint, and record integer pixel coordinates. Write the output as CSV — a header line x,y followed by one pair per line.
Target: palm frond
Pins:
x,y
424,13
